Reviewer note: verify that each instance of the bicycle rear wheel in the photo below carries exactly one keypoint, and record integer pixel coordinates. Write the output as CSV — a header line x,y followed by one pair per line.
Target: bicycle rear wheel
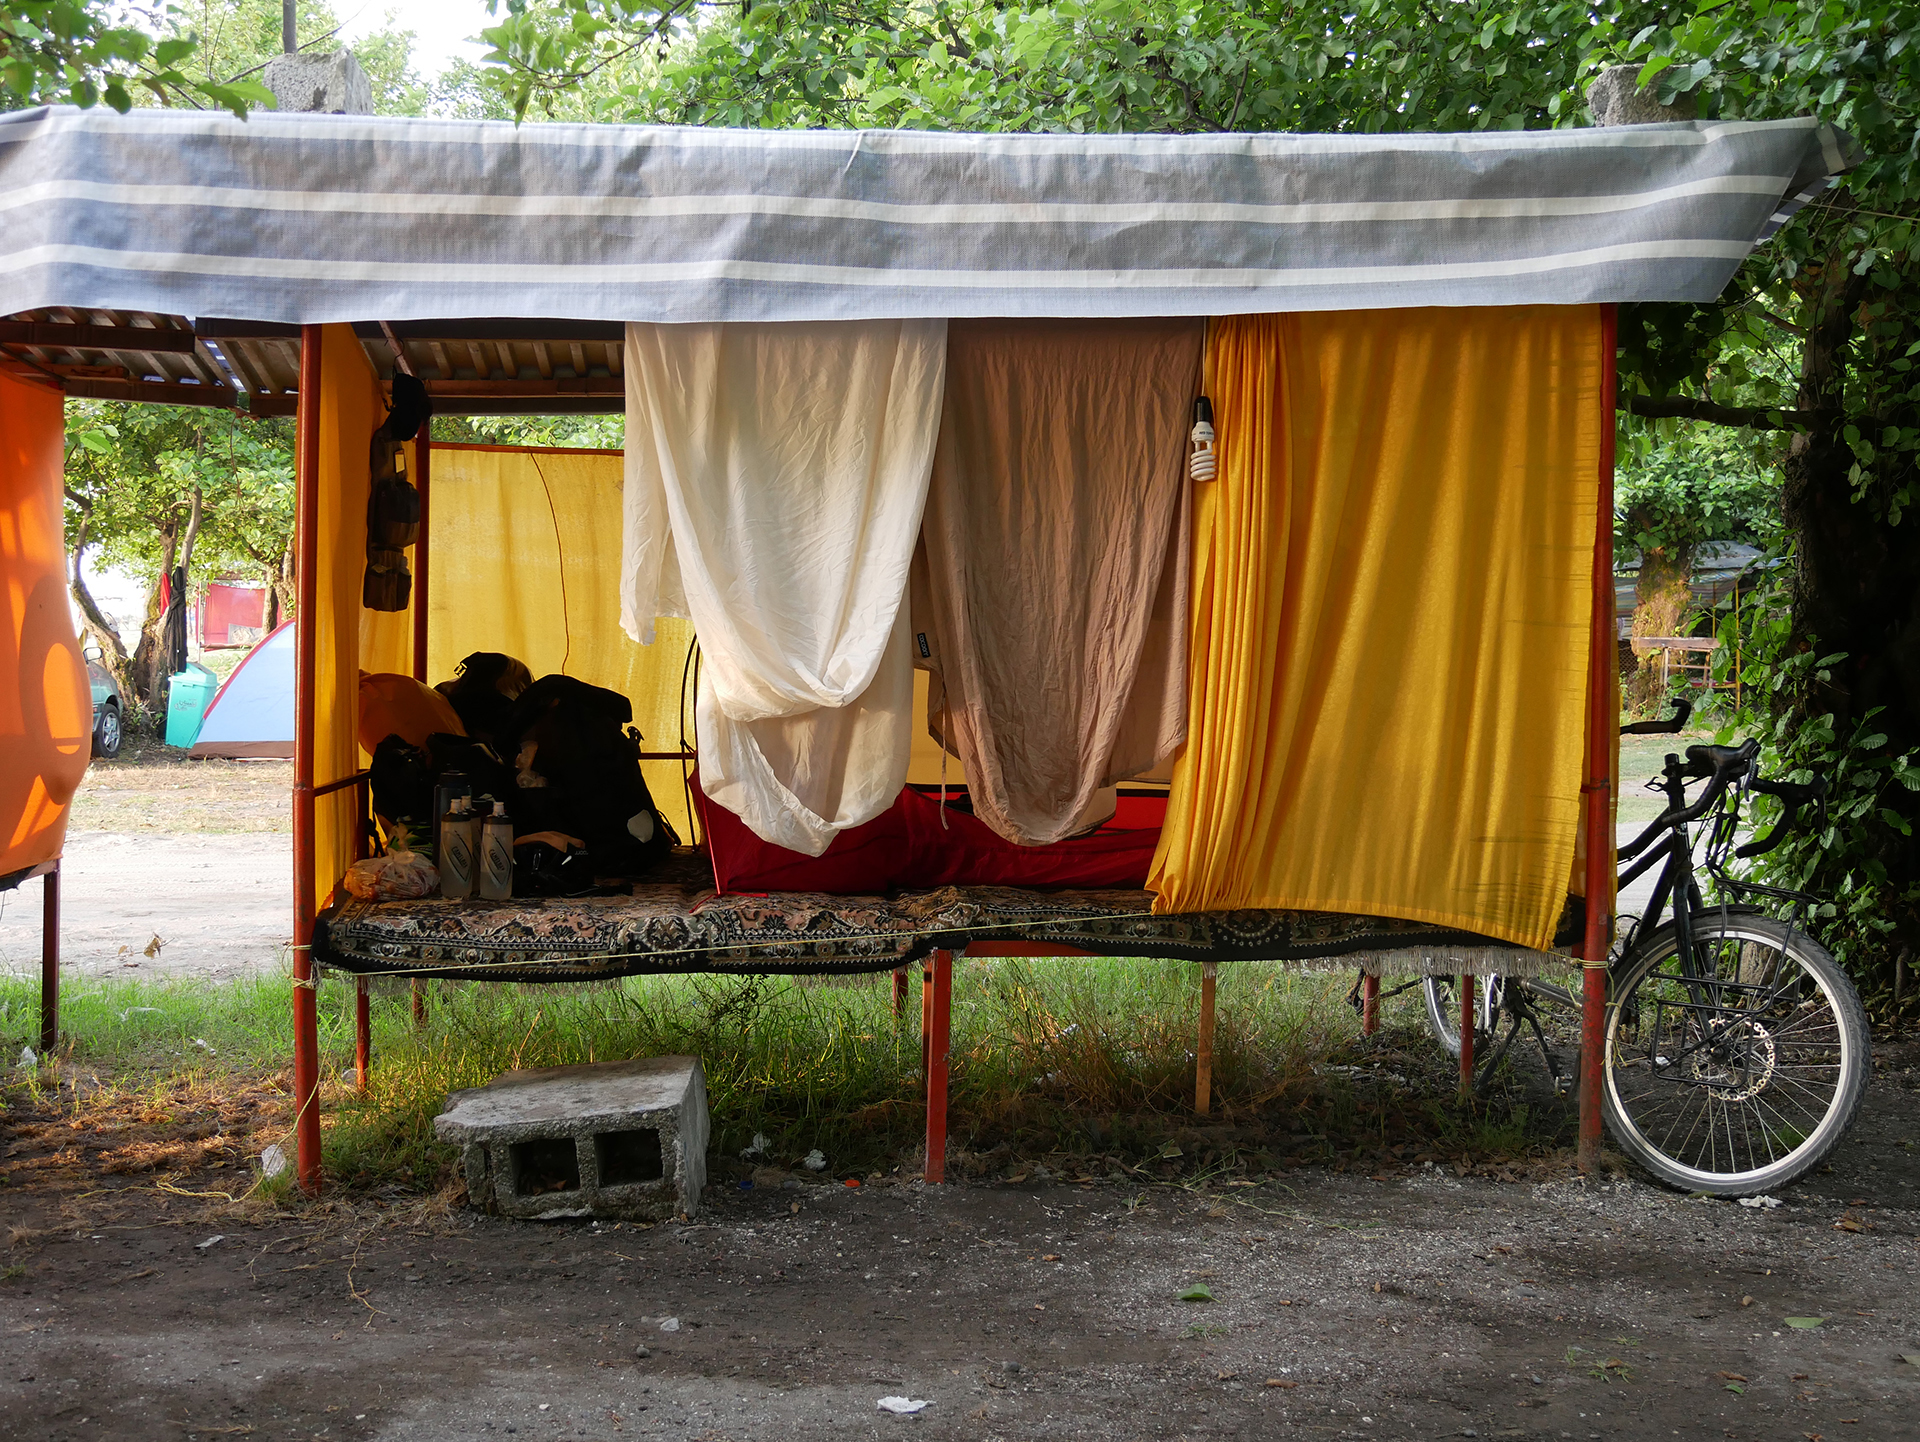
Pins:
x,y
1741,1075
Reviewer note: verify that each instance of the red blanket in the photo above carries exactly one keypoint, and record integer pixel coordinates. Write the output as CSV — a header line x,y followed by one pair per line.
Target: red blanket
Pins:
x,y
906,848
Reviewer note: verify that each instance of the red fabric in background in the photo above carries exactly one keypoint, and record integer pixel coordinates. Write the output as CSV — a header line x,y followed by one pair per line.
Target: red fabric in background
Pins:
x,y
227,606
905,849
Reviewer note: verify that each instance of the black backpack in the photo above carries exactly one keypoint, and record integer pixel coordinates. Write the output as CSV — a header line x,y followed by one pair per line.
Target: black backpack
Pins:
x,y
588,755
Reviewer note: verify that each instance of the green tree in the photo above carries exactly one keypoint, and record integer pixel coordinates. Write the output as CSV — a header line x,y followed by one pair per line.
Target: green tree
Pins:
x,y
238,38
1675,493
591,432
1079,65
71,52
151,487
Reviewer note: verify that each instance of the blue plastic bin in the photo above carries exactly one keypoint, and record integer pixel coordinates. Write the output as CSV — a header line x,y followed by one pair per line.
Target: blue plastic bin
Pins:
x,y
188,693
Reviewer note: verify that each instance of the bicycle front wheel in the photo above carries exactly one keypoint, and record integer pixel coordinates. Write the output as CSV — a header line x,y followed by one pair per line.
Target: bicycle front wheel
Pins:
x,y
1443,1012
1739,1073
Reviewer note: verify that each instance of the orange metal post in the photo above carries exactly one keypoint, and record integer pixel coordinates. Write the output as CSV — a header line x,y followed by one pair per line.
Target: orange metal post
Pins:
x,y
50,959
1203,1053
1369,1004
362,1034
1598,789
940,1018
1467,1025
306,1021
422,559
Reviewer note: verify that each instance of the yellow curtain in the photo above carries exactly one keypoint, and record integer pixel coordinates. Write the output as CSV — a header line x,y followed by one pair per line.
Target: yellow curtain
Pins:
x,y
46,715
1390,618
351,407
524,557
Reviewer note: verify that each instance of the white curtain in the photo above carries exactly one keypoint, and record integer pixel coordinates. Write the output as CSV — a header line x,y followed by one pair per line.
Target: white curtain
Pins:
x,y
775,479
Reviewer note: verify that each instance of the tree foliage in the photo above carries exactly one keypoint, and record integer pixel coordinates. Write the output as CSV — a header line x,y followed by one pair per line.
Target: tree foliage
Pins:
x,y
70,52
1078,65
1699,484
151,487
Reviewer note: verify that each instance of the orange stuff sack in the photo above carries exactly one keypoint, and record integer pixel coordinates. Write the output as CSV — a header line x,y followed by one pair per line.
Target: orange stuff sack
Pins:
x,y
46,713
401,706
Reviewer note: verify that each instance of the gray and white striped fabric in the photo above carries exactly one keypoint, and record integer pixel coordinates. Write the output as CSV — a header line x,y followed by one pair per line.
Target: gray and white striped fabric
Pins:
x,y
315,218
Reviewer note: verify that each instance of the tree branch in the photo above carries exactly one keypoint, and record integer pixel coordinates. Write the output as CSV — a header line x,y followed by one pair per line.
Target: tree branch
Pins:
x,y
1753,418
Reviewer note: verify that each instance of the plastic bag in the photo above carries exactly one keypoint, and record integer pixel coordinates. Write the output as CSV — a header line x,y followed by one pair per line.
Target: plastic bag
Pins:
x,y
397,876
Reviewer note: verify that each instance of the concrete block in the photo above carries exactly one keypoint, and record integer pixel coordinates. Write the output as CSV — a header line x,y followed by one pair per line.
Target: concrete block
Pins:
x,y
323,84
623,1139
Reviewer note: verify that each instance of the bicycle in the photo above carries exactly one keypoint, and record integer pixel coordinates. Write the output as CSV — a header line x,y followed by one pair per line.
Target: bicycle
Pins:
x,y
1737,1050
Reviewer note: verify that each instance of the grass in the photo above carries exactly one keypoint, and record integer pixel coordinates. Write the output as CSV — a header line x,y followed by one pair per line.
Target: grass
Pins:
x,y
159,790
1067,1068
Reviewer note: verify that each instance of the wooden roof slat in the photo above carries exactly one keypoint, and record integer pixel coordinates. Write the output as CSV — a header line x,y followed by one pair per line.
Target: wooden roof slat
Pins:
x,y
544,359
94,337
153,391
243,361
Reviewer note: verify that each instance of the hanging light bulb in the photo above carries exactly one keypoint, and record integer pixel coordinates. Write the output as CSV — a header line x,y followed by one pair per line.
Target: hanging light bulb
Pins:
x,y
1204,463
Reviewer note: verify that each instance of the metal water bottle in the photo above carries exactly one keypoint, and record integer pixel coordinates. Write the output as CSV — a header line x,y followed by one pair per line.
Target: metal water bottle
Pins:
x,y
458,841
496,855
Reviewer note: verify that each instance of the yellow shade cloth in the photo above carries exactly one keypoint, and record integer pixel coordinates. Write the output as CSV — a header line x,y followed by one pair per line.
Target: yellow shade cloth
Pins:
x,y
347,639
46,713
524,557
1388,659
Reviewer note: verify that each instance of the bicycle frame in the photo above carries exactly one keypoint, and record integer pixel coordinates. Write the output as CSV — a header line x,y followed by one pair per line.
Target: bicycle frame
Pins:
x,y
1676,890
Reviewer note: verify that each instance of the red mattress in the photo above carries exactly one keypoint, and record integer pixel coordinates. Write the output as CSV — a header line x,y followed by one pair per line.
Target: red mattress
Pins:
x,y
907,848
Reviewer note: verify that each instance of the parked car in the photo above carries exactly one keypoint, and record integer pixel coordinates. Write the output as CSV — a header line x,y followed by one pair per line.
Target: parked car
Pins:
x,y
108,709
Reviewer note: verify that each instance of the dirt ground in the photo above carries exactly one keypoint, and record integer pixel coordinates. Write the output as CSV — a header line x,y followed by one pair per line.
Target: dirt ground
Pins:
x,y
1412,1302
172,868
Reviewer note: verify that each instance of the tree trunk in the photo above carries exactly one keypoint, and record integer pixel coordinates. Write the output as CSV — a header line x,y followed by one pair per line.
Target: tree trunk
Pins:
x,y
1662,602
95,626
284,590
146,673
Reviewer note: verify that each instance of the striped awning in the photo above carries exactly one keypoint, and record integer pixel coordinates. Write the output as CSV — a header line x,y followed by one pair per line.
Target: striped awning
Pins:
x,y
311,218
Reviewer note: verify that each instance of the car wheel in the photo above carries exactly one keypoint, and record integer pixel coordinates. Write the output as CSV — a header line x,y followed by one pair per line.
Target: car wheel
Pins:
x,y
106,732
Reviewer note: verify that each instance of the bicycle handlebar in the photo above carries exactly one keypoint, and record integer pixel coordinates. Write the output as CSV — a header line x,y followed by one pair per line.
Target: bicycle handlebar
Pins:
x,y
1719,765
1793,795
1672,726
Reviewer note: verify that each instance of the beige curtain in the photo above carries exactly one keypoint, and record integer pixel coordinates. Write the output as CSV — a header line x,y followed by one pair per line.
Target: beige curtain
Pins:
x,y
1050,591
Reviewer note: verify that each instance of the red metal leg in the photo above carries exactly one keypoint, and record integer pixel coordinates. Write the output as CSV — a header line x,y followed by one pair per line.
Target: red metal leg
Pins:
x,y
50,960
1602,717
1468,1024
899,993
926,1015
419,1001
939,1038
1369,1004
1203,1053
362,1033
306,1017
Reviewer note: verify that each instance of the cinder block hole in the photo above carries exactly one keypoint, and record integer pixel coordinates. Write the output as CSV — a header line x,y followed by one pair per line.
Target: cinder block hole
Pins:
x,y
546,1164
625,1157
